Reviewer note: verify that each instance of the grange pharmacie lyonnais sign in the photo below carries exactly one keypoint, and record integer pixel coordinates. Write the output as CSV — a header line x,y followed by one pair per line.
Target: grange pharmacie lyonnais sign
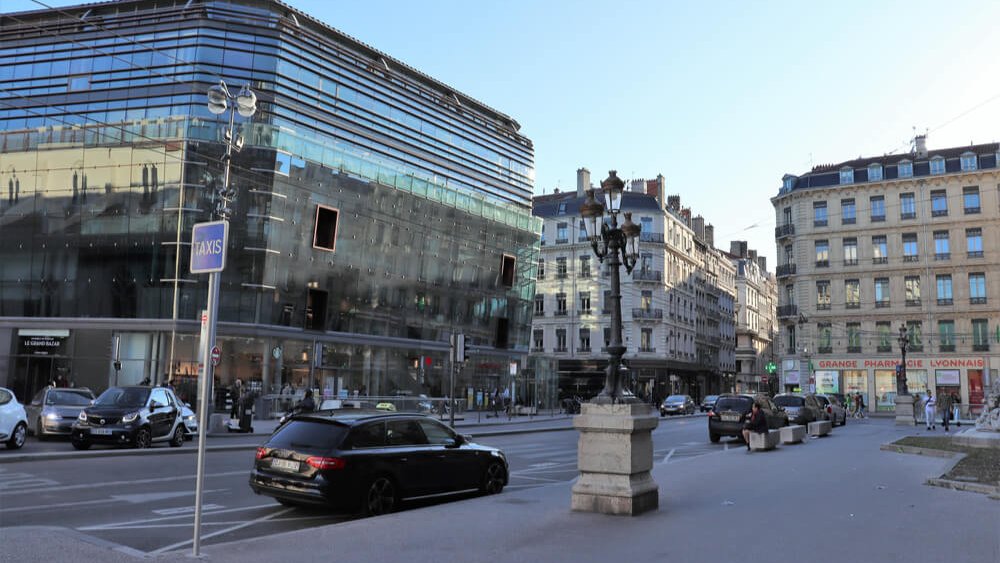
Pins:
x,y
918,363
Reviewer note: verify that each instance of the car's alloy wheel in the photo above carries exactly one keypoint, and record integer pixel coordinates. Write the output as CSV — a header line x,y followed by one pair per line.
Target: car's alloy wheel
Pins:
x,y
178,438
143,439
17,436
380,497
714,437
493,480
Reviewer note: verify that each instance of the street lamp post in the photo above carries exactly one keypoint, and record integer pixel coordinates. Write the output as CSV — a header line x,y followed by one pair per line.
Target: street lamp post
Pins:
x,y
901,372
615,450
620,245
905,413
220,99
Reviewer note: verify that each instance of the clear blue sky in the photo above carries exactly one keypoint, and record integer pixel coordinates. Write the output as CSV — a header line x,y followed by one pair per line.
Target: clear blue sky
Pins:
x,y
722,97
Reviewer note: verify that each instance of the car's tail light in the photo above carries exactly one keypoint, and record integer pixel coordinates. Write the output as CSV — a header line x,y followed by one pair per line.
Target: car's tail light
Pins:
x,y
326,462
711,414
261,453
829,409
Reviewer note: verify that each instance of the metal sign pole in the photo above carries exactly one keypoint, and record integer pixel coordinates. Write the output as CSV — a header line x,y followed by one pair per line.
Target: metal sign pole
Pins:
x,y
206,390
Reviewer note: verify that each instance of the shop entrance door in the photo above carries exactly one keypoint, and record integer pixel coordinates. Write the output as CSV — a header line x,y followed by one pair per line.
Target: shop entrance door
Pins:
x,y
32,373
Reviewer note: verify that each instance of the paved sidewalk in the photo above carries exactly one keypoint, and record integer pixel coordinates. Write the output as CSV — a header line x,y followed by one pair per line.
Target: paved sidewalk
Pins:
x,y
811,501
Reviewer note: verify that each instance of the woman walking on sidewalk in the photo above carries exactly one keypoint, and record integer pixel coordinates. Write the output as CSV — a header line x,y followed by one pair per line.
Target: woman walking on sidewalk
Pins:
x,y
930,406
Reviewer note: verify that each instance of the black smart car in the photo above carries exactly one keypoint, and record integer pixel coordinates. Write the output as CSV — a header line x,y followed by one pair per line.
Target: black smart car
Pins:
x,y
372,461
137,416
730,412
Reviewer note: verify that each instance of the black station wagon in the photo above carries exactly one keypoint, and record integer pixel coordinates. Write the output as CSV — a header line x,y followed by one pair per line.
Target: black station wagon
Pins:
x,y
372,461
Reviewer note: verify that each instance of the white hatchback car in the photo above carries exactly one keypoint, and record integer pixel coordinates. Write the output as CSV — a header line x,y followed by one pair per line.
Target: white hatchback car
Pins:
x,y
13,420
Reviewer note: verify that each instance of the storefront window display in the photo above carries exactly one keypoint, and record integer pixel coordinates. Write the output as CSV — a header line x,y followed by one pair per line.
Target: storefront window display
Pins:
x,y
855,381
916,381
947,382
885,390
828,381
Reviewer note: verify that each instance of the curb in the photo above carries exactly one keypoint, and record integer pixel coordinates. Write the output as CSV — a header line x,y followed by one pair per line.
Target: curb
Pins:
x,y
992,492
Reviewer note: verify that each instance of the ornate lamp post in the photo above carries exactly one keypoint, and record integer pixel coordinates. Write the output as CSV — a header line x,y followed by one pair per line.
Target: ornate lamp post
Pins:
x,y
620,245
615,451
905,413
901,372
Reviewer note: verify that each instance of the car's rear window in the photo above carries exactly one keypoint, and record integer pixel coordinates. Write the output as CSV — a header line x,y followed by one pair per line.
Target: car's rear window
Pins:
x,y
733,404
308,435
72,398
789,401
676,398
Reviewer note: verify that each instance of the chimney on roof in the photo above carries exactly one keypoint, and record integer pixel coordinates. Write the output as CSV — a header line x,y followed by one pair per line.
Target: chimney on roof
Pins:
x,y
698,225
762,262
674,203
638,186
920,146
582,182
710,235
738,248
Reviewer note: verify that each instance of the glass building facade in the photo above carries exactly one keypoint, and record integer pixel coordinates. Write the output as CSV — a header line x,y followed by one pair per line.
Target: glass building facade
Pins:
x,y
378,210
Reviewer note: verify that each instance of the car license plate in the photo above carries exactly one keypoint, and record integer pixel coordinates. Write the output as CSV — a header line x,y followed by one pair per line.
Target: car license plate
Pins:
x,y
101,431
284,465
731,417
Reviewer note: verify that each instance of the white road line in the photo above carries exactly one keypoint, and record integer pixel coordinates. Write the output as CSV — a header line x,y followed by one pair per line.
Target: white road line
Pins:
x,y
124,483
536,478
115,526
26,482
223,523
220,532
669,455
541,455
60,505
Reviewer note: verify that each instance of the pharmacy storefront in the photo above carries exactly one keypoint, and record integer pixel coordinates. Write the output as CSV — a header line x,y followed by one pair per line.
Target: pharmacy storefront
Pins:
x,y
875,378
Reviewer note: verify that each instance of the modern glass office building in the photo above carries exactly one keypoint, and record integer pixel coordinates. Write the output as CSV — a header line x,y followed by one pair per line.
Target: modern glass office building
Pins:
x,y
378,210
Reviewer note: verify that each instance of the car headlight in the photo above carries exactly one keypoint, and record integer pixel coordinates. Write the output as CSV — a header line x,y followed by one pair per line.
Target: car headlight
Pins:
x,y
130,417
52,416
189,418
82,417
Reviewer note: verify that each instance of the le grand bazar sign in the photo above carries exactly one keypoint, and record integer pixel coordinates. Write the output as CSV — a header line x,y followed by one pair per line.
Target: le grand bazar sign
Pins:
x,y
916,363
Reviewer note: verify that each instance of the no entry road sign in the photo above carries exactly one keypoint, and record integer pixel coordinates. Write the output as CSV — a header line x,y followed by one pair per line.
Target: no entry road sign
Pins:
x,y
208,247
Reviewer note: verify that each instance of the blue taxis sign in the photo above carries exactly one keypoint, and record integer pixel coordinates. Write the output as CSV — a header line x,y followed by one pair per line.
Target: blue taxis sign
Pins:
x,y
208,247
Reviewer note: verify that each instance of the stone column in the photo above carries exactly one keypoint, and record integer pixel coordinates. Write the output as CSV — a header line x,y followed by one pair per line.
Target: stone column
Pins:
x,y
615,455
905,415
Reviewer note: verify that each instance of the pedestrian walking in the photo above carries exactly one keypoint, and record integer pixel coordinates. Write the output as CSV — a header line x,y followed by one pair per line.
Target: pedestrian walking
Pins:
x,y
930,406
944,403
859,404
235,392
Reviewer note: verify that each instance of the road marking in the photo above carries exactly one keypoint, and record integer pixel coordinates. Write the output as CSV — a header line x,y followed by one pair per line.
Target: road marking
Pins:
x,y
226,522
115,526
114,498
22,480
545,479
669,455
186,509
123,483
543,465
223,531
550,454
153,497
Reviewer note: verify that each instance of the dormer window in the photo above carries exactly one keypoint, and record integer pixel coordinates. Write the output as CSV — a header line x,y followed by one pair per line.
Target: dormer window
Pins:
x,y
562,208
937,165
846,175
788,182
904,169
968,162
874,172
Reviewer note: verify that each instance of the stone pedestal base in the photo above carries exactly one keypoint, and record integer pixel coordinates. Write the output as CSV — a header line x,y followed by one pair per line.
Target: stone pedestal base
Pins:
x,y
615,454
905,415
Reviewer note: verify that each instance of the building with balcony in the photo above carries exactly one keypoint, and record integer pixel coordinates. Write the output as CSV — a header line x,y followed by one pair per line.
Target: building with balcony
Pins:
x,y
378,210
677,304
756,320
870,245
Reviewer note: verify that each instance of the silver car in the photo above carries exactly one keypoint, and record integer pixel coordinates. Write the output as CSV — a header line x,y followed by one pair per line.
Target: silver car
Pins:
x,y
834,410
54,409
190,421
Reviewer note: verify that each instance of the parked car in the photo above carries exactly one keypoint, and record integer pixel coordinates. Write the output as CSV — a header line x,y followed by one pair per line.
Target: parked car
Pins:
x,y
833,409
190,421
707,403
13,421
372,461
731,411
800,409
53,410
137,416
677,404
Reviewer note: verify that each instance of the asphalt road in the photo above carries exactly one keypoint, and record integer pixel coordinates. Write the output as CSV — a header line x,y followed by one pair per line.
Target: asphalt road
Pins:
x,y
145,503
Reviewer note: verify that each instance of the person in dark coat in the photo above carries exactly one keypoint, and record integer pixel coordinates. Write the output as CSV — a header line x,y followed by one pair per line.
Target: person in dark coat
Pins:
x,y
757,423
944,404
307,404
